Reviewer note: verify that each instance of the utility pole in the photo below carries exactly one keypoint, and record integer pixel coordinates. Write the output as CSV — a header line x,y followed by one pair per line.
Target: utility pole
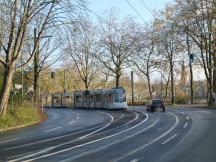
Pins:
x,y
191,59
132,87
36,60
64,80
22,93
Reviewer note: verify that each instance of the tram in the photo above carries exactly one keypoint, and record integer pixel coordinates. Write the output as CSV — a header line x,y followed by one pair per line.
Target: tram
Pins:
x,y
112,98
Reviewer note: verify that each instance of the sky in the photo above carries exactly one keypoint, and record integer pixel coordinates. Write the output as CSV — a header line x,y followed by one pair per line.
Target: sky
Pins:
x,y
143,7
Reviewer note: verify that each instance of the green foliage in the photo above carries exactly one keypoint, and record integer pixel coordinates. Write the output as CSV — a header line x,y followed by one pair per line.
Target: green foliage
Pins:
x,y
20,115
212,106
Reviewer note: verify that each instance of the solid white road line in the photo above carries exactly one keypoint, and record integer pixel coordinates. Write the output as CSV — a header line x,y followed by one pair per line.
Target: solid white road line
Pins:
x,y
37,153
134,160
169,139
112,119
47,140
151,142
84,144
185,125
52,129
110,144
136,117
71,122
2,142
121,116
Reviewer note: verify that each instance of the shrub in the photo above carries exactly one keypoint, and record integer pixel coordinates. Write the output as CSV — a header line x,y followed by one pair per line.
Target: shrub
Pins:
x,y
20,115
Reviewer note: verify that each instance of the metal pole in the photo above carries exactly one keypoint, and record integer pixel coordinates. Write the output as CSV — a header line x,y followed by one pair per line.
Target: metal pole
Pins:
x,y
161,83
22,78
161,77
64,80
132,87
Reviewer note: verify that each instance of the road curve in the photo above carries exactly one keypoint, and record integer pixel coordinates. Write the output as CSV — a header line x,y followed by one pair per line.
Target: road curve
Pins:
x,y
116,136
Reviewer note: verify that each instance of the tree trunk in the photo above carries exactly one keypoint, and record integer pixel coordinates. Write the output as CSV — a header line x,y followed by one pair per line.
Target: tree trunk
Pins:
x,y
191,83
210,98
86,84
149,86
166,91
35,88
117,80
5,91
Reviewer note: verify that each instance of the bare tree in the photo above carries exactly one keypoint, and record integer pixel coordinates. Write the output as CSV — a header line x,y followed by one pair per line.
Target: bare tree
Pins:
x,y
45,56
118,42
171,46
200,16
144,58
19,17
82,47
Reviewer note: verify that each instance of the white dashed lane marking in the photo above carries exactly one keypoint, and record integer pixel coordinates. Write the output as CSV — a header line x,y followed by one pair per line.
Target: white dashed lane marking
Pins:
x,y
186,124
52,129
169,139
71,122
134,160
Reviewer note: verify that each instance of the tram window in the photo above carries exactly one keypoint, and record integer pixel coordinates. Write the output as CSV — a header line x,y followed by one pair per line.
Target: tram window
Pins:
x,y
98,98
66,97
56,99
78,98
110,97
91,98
119,96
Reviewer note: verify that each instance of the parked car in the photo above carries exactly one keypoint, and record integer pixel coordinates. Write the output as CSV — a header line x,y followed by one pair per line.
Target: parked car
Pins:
x,y
155,104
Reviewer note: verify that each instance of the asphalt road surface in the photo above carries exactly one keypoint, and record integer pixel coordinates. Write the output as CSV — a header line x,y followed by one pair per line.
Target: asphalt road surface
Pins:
x,y
134,135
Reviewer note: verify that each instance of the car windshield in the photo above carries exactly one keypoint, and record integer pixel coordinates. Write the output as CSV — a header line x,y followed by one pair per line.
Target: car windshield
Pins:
x,y
156,101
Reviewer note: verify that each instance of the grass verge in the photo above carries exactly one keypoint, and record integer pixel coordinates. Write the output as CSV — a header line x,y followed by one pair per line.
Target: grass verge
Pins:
x,y
20,115
213,106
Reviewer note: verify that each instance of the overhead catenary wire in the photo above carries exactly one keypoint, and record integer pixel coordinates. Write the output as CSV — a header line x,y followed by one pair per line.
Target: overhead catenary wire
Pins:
x,y
135,10
148,9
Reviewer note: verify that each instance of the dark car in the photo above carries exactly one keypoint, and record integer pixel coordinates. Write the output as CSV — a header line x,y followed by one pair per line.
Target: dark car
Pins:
x,y
154,104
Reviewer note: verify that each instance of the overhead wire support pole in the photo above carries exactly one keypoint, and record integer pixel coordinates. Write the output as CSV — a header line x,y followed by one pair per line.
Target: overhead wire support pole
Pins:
x,y
22,93
64,80
132,87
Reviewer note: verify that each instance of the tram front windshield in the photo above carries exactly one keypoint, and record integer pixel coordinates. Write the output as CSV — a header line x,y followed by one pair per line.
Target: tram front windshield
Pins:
x,y
119,96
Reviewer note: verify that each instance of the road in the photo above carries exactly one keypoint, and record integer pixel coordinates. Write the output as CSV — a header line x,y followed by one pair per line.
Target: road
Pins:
x,y
179,134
